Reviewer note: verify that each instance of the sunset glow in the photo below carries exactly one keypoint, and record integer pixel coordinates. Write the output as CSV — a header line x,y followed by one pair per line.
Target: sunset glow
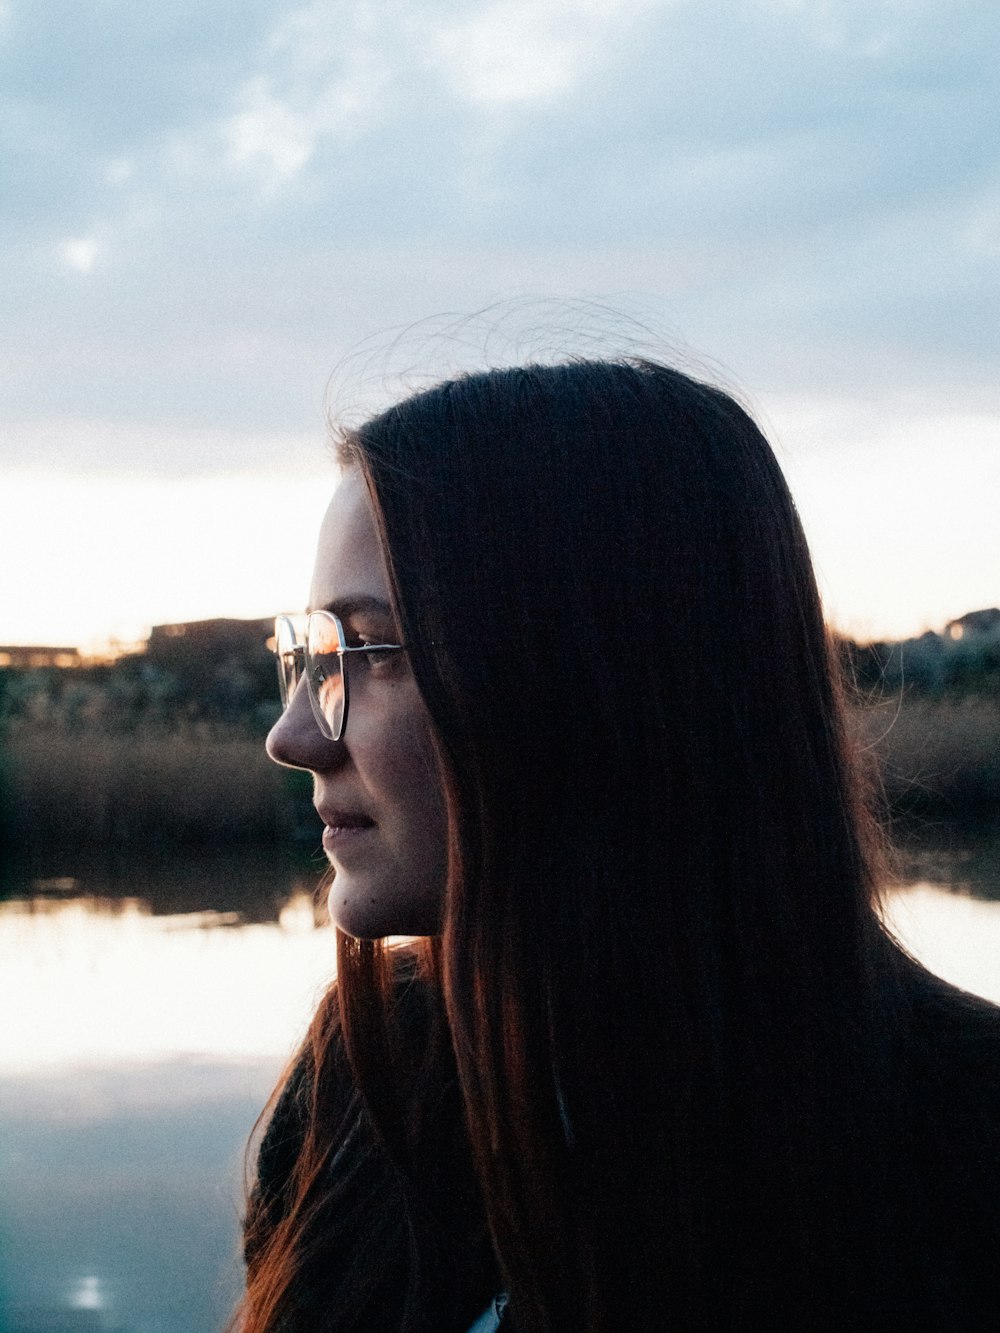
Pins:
x,y
111,556
900,515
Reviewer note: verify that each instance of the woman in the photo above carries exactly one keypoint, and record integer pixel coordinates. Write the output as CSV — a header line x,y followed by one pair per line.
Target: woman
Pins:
x,y
656,1063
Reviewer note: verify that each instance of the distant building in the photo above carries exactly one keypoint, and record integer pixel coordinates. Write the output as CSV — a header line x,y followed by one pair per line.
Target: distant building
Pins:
x,y
974,622
202,640
222,668
25,655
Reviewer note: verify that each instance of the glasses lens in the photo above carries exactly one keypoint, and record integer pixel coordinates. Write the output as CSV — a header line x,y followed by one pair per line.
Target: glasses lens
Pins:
x,y
289,661
325,674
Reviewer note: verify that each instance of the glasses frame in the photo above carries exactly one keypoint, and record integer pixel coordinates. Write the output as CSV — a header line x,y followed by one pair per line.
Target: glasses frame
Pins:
x,y
295,661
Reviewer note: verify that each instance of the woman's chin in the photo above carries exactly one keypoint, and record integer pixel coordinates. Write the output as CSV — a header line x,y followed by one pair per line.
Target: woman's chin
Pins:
x,y
360,911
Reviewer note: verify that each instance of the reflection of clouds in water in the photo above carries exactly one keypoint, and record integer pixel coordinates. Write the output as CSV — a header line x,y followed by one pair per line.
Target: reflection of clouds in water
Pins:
x,y
111,983
88,1294
957,937
121,1166
120,1195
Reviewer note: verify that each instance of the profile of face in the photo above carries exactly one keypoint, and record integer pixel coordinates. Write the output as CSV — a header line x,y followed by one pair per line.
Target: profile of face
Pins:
x,y
378,788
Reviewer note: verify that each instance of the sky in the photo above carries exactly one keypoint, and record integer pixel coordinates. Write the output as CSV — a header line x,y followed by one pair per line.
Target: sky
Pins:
x,y
215,217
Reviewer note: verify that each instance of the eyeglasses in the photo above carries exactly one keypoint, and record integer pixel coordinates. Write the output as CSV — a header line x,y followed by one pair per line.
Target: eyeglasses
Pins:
x,y
321,660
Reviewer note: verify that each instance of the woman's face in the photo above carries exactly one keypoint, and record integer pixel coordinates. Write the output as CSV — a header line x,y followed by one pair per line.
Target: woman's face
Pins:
x,y
377,789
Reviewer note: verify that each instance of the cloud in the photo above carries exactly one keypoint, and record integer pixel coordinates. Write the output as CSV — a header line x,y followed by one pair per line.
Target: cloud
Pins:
x,y
117,170
316,79
209,208
521,52
980,231
268,131
80,253
325,82
806,190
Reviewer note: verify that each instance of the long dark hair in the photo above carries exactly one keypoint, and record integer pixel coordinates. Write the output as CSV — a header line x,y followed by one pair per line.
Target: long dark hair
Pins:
x,y
661,1011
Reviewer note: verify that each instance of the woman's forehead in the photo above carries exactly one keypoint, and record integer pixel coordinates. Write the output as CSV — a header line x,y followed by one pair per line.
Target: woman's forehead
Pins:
x,y
349,565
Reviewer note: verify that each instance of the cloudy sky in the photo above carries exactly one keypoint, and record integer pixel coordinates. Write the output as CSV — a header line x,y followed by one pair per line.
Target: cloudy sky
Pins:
x,y
208,209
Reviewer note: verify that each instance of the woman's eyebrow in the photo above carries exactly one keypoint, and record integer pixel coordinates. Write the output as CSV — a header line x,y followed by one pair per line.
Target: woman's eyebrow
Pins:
x,y
353,606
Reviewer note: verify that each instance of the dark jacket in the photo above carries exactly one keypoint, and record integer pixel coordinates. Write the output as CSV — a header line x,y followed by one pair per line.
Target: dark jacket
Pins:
x,y
936,1264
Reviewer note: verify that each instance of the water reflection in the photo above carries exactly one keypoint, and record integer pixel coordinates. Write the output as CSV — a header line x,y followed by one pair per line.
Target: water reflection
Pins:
x,y
957,856
222,956
253,881
120,1196
109,981
955,935
146,1042
157,1003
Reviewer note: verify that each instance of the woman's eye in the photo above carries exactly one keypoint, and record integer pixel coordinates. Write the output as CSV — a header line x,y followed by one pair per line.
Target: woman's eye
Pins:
x,y
375,658
378,656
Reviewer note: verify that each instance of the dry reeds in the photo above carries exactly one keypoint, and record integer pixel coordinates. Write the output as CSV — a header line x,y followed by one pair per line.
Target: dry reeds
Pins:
x,y
188,785
936,754
142,787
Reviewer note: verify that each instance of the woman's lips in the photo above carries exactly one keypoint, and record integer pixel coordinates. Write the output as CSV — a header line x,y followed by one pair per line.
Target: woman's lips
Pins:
x,y
341,827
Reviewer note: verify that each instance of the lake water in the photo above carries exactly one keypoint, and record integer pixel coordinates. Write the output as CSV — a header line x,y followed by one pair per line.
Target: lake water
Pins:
x,y
149,1010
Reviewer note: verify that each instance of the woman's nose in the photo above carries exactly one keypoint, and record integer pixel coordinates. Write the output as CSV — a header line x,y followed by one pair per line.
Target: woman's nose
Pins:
x,y
296,741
